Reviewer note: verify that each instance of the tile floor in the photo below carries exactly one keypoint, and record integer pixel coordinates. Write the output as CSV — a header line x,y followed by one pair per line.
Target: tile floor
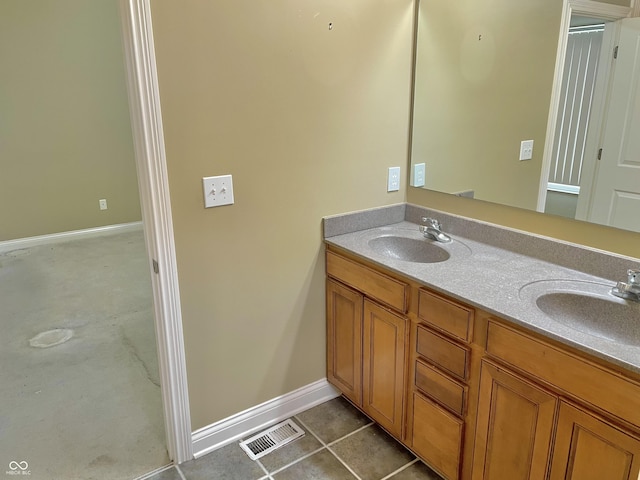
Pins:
x,y
340,444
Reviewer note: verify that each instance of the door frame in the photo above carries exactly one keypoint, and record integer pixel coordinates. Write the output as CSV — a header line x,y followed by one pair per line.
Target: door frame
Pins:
x,y
148,138
587,8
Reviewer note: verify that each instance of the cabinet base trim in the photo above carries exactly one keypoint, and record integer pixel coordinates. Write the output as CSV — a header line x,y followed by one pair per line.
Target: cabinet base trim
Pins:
x,y
235,427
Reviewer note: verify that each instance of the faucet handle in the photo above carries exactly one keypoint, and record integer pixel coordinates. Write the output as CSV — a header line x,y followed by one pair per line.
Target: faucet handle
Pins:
x,y
634,277
431,222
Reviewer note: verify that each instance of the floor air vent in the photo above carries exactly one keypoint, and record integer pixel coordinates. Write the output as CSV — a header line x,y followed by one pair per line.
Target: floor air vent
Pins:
x,y
269,440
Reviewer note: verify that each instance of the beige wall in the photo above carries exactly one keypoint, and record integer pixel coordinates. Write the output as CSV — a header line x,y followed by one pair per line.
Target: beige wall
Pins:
x,y
307,120
484,75
65,136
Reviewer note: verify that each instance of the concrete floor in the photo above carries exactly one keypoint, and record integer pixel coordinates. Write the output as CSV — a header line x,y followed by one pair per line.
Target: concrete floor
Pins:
x,y
88,408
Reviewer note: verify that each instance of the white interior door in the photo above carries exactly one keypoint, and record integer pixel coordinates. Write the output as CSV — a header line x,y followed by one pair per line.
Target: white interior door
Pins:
x,y
615,198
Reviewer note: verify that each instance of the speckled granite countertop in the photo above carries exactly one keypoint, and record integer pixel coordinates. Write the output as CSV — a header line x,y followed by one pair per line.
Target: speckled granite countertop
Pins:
x,y
502,271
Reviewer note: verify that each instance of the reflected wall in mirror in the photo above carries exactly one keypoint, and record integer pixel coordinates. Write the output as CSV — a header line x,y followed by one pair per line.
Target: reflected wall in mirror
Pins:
x,y
486,74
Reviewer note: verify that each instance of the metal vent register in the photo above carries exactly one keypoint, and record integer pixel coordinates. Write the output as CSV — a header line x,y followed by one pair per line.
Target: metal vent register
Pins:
x,y
269,440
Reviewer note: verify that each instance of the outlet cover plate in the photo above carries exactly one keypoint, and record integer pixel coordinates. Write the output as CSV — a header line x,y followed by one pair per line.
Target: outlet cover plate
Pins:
x,y
217,191
419,171
393,181
526,150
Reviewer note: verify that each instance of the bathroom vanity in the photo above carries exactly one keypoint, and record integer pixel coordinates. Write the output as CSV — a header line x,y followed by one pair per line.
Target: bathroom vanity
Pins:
x,y
453,355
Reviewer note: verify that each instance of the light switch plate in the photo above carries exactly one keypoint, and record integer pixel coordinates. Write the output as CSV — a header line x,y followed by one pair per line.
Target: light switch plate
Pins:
x,y
218,191
526,150
418,177
393,180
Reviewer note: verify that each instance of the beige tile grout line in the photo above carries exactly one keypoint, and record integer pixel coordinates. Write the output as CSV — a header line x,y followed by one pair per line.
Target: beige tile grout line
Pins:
x,y
404,467
263,468
269,475
297,460
327,446
324,445
349,434
343,463
304,456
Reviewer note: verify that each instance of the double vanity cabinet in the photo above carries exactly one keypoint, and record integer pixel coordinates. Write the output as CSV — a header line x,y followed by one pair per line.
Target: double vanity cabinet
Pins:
x,y
474,396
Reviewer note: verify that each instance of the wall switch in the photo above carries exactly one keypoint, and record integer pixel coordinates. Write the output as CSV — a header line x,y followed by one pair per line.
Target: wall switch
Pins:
x,y
526,150
418,174
103,203
218,191
393,180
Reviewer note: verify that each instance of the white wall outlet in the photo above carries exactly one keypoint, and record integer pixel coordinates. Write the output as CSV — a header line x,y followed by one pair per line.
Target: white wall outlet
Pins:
x,y
103,203
418,175
526,150
466,193
218,191
393,180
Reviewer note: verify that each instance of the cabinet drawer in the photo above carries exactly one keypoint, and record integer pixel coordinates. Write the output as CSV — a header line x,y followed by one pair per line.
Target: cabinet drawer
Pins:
x,y
446,315
441,388
374,284
579,377
437,437
446,354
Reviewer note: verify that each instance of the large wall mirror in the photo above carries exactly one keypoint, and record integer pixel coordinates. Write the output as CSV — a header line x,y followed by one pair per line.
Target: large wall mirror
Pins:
x,y
490,74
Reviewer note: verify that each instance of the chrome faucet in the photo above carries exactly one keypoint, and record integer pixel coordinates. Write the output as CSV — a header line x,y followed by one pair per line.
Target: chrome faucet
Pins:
x,y
432,229
631,289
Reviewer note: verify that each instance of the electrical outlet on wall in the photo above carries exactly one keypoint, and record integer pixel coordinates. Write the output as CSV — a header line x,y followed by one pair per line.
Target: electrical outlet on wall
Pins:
x,y
103,203
393,180
526,150
418,175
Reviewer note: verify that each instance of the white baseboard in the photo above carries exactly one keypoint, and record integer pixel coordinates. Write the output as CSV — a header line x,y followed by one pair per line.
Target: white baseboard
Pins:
x,y
243,424
27,242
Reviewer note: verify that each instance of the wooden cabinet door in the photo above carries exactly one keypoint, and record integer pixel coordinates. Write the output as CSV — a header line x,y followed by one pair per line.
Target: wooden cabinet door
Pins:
x,y
588,448
344,340
437,437
514,427
384,366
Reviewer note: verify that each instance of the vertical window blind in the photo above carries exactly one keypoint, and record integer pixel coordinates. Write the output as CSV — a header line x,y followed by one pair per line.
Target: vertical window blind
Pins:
x,y
581,65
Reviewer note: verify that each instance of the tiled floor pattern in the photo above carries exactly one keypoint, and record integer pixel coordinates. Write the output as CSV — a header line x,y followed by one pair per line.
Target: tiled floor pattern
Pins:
x,y
340,444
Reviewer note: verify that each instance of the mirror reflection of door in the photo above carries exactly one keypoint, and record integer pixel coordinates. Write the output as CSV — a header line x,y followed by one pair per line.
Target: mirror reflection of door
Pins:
x,y
599,111
613,191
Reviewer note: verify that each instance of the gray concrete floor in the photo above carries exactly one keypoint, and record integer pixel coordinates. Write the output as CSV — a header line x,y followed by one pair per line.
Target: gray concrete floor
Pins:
x,y
88,408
